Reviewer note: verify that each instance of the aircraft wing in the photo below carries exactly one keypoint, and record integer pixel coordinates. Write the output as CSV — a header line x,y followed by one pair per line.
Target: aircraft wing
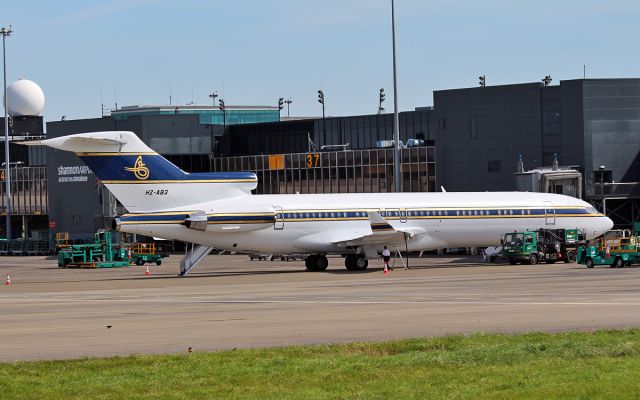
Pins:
x,y
377,232
381,232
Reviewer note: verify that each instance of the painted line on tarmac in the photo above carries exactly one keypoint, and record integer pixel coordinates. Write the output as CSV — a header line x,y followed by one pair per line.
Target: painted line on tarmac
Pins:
x,y
419,302
342,302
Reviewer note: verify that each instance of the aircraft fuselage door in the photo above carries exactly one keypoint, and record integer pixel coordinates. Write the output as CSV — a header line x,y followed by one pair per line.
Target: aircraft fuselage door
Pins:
x,y
403,215
549,213
390,213
278,224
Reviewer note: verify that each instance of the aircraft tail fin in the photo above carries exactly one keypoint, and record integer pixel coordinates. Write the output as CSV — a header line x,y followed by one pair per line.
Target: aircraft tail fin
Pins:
x,y
143,180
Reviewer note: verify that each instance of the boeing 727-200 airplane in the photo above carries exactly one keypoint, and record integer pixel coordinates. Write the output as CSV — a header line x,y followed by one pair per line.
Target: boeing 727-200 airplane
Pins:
x,y
217,210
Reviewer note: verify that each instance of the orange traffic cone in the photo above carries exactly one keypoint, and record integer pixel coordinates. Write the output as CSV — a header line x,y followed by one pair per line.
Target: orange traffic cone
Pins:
x,y
8,281
386,270
607,253
147,272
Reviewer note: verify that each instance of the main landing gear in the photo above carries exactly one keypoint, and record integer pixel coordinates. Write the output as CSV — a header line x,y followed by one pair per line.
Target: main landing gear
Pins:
x,y
316,263
356,262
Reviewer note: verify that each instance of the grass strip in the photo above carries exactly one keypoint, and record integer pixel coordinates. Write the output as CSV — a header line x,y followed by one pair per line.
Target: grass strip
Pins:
x,y
601,364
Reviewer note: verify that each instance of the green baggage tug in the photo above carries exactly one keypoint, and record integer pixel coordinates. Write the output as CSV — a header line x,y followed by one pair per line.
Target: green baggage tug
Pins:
x,y
616,250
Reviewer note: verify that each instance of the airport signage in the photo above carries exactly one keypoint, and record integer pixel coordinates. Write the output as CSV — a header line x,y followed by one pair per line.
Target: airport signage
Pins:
x,y
73,174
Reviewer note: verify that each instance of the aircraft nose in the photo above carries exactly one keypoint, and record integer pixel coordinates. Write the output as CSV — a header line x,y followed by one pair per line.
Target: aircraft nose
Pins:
x,y
605,224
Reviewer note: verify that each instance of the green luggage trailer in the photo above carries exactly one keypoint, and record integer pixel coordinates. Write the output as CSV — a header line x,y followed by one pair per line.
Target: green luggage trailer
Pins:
x,y
612,251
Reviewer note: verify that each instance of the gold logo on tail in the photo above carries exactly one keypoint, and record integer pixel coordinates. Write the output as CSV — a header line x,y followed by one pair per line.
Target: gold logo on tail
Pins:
x,y
139,169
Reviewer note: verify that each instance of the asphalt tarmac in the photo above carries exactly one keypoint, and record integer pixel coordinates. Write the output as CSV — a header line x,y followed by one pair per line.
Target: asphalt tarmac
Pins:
x,y
230,302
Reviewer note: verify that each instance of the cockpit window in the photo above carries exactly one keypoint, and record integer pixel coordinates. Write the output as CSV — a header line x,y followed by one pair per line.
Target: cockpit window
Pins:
x,y
591,210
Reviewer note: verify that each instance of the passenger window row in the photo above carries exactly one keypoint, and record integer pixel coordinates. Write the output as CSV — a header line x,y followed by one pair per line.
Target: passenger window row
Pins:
x,y
413,213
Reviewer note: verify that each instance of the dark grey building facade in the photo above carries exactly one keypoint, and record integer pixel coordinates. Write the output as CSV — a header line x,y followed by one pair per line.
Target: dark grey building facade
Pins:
x,y
592,124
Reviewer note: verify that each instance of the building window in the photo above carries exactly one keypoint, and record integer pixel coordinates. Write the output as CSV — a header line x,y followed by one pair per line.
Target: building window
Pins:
x,y
495,166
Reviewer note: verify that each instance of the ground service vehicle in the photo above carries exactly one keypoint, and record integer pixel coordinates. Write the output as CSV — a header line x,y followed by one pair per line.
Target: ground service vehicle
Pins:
x,y
103,253
614,251
142,253
543,245
62,241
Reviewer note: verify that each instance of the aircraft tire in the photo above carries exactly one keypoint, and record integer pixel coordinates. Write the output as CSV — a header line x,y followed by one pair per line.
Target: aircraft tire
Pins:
x,y
322,263
356,262
316,263
310,262
361,263
350,262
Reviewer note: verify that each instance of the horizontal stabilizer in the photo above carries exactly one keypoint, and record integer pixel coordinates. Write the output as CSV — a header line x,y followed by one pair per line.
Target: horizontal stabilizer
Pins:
x,y
98,142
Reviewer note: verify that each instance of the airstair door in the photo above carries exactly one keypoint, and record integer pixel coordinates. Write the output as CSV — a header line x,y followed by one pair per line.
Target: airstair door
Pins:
x,y
278,224
549,213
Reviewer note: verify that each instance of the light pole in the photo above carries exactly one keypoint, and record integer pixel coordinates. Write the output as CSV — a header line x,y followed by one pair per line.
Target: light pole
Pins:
x,y
213,96
288,103
7,172
224,115
280,105
396,128
381,97
324,129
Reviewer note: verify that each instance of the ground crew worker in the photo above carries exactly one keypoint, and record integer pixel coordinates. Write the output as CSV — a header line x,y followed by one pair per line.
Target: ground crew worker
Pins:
x,y
386,256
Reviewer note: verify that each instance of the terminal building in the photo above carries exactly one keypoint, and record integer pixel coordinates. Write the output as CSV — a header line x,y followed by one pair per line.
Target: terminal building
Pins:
x,y
471,139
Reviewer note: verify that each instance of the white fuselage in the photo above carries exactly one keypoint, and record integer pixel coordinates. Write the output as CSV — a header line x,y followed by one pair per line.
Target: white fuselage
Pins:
x,y
321,223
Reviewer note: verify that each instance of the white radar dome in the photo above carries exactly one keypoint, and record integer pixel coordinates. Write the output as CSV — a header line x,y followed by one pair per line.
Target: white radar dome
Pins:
x,y
25,98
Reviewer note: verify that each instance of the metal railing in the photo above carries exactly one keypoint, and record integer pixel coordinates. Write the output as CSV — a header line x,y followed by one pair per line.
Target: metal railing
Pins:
x,y
29,191
347,171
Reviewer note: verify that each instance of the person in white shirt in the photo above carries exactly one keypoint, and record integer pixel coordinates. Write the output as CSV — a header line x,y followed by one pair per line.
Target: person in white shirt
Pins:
x,y
386,256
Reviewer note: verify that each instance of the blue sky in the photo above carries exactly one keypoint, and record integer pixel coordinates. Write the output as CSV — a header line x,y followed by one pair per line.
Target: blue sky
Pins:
x,y
82,52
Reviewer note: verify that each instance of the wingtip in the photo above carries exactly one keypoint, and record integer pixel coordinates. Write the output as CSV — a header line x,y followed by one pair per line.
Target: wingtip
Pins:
x,y
30,143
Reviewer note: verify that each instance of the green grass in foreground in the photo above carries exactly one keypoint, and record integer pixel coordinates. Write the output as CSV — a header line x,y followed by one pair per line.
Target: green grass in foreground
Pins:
x,y
603,364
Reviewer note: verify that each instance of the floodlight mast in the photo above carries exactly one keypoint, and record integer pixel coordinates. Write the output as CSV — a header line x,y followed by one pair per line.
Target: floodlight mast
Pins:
x,y
396,128
7,172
